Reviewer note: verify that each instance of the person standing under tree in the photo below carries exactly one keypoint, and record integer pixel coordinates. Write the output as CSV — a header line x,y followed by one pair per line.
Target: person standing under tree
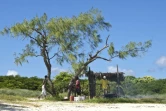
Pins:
x,y
104,83
77,86
43,93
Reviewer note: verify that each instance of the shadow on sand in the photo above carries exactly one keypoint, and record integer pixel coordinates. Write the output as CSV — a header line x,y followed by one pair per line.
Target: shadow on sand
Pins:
x,y
6,107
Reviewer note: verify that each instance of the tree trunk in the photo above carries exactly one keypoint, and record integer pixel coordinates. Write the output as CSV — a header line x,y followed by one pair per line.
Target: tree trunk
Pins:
x,y
51,90
70,87
73,80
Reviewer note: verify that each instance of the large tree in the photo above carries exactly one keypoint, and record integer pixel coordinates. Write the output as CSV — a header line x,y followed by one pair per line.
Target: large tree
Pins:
x,y
57,38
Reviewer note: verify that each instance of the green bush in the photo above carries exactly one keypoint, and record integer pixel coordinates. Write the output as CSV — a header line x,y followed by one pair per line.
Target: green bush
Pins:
x,y
18,82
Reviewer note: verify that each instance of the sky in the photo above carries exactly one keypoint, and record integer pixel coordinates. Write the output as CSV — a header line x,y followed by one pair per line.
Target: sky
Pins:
x,y
131,20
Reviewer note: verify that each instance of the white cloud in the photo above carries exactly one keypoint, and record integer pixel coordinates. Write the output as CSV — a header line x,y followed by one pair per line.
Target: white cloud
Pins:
x,y
12,73
161,61
112,69
58,70
126,71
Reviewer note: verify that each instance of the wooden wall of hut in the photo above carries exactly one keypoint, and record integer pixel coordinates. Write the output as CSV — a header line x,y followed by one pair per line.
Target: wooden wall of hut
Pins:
x,y
110,76
92,85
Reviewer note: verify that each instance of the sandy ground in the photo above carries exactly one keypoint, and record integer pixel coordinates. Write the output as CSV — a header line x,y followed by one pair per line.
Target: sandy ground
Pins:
x,y
67,106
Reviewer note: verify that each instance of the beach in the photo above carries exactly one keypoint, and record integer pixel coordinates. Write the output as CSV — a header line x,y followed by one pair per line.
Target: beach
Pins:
x,y
77,106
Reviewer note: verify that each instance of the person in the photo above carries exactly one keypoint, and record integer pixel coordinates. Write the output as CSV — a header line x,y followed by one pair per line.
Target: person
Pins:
x,y
104,83
43,93
77,86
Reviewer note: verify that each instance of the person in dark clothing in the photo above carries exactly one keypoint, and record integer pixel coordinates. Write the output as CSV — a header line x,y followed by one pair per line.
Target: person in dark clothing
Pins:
x,y
77,86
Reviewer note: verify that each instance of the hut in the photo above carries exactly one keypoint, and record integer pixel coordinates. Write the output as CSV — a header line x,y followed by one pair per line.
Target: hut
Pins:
x,y
116,77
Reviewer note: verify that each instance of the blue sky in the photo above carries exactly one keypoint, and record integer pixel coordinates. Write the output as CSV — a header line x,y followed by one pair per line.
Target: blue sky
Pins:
x,y
131,20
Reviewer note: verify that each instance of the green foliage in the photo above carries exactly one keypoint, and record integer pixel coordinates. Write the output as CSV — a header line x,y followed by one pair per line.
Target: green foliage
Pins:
x,y
145,79
78,66
111,49
17,82
132,49
62,80
66,35
143,86
84,87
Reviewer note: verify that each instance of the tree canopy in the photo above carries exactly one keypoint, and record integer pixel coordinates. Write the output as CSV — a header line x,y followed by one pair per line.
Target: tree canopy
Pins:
x,y
63,35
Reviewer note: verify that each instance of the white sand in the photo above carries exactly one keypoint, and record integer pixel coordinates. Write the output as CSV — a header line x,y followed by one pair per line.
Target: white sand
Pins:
x,y
67,106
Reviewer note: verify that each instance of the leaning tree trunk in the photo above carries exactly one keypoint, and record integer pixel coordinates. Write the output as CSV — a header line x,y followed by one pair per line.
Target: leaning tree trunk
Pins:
x,y
72,82
70,87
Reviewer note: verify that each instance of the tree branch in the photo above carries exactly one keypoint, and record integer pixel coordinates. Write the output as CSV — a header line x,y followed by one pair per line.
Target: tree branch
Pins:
x,y
55,54
37,31
44,33
106,45
98,57
37,55
94,57
107,40
33,39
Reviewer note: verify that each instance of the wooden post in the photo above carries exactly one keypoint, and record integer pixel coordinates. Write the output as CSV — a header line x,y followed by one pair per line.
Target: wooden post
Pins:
x,y
117,82
92,84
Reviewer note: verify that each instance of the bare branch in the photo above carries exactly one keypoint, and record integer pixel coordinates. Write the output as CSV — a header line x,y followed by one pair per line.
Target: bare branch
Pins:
x,y
114,56
106,46
100,50
55,54
44,33
93,58
98,57
37,55
37,31
107,40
